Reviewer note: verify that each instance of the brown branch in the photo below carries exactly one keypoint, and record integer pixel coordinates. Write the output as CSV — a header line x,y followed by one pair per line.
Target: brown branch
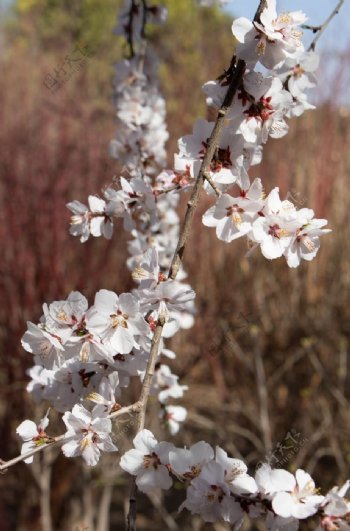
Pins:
x,y
320,29
145,391
213,142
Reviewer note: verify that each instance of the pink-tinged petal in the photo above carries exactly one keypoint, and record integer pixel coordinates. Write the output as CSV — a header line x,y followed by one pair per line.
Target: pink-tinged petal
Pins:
x,y
208,219
270,481
106,301
71,448
173,426
213,473
272,248
96,204
107,445
240,27
77,207
90,452
81,414
102,425
306,508
145,442
128,304
202,452
256,190
27,430
304,480
244,484
269,14
283,504
178,413
162,450
96,225
151,479
122,340
132,461
279,128
224,176
27,447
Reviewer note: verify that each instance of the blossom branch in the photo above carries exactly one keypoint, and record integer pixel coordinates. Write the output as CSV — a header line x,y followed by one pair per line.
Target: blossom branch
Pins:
x,y
320,29
4,465
203,174
145,391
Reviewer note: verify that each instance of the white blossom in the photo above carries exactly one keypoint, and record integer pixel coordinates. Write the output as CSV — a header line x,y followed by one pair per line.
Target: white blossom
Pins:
x,y
272,40
33,435
148,461
172,416
88,433
117,320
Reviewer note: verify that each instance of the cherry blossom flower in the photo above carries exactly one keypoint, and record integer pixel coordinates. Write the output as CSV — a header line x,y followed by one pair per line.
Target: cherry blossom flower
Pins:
x,y
272,40
301,501
166,384
148,272
148,461
63,318
106,395
224,168
33,435
233,216
88,433
209,496
276,226
117,320
188,463
306,241
47,348
172,416
236,473
299,72
270,481
334,503
165,297
259,108
95,220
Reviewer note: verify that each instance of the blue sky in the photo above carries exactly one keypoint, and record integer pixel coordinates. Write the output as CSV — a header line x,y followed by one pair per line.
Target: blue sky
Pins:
x,y
337,34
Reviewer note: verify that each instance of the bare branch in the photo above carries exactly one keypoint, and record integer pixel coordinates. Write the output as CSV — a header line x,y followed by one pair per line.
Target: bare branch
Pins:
x,y
320,29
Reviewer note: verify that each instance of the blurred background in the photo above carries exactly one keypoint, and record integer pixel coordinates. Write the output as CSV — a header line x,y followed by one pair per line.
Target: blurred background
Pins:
x,y
267,360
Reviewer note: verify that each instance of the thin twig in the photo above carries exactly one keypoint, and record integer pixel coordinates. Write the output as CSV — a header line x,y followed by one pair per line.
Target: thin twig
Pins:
x,y
260,378
212,183
323,26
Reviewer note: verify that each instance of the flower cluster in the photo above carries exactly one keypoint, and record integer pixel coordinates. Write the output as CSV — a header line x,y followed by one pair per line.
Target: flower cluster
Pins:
x,y
219,487
260,108
259,111
90,353
85,355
